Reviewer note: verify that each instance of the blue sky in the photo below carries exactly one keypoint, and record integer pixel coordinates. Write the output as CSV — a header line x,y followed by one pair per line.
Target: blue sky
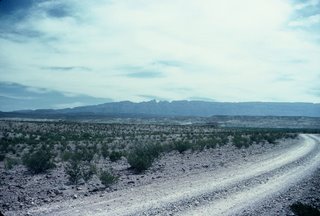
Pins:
x,y
250,50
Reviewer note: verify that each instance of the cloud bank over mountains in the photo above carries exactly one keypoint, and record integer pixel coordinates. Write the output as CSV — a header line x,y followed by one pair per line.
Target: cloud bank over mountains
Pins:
x,y
14,96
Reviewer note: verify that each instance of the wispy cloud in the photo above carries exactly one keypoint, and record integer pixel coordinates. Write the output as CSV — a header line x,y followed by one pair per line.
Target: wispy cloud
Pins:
x,y
145,74
306,21
169,63
167,49
68,68
196,98
152,97
14,96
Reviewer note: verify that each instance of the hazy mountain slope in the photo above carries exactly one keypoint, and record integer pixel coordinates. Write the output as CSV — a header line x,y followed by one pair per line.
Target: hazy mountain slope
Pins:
x,y
194,108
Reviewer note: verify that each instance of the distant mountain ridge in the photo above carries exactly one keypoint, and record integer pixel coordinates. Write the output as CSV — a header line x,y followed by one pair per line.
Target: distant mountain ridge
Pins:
x,y
190,108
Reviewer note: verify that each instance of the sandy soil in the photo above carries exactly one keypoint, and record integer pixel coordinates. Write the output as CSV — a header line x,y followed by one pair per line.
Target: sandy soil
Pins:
x,y
235,189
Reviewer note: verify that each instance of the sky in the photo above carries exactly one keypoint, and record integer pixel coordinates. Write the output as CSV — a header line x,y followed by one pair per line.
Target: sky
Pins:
x,y
139,50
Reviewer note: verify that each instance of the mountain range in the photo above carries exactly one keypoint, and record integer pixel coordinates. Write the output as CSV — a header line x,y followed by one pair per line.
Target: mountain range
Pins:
x,y
185,108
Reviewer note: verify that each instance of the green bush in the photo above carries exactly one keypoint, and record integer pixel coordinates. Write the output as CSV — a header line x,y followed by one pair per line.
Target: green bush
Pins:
x,y
182,146
74,171
301,209
2,157
66,155
201,144
105,150
39,161
9,163
240,141
88,170
84,153
115,155
142,156
107,178
77,170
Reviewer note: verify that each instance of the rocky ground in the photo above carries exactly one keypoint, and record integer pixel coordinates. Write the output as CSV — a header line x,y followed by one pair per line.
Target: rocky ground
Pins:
x,y
20,190
307,192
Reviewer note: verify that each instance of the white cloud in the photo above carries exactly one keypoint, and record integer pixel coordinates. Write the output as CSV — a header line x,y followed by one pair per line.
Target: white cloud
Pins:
x,y
227,50
305,4
68,105
306,22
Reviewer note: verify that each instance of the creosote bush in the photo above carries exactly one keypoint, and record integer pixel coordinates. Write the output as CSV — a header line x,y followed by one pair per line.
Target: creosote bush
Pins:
x,y
88,171
84,153
107,178
182,146
77,169
39,160
240,141
74,172
104,150
115,155
141,157
2,157
9,163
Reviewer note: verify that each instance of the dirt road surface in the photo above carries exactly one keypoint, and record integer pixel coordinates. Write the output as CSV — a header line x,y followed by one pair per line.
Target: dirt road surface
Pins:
x,y
228,192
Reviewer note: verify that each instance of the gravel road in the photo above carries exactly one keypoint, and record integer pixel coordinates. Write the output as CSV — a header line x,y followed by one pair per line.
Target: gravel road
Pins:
x,y
239,188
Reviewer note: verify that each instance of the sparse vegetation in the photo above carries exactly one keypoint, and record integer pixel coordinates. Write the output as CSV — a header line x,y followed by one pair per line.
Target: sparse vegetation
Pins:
x,y
107,178
87,154
80,170
241,141
80,167
2,157
182,146
74,172
104,150
79,145
40,160
141,157
9,163
116,155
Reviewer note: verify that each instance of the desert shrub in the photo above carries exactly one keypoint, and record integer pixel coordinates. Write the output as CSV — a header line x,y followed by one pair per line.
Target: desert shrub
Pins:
x,y
200,145
66,155
85,153
154,149
223,139
2,157
271,138
40,160
85,136
107,178
82,153
240,141
77,170
73,170
256,137
5,143
9,163
88,170
301,209
182,146
115,155
212,143
142,156
104,150
79,164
